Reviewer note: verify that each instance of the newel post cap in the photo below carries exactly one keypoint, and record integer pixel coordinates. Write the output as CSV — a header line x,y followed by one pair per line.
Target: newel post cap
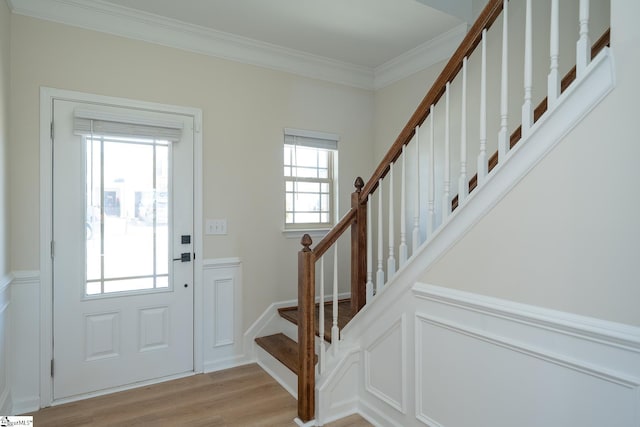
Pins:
x,y
306,242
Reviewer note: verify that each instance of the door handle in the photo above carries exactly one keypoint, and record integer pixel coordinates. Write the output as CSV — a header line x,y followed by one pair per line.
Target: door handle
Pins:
x,y
184,257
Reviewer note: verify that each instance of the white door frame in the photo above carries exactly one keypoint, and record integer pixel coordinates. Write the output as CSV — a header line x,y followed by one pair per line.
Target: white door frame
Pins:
x,y
47,95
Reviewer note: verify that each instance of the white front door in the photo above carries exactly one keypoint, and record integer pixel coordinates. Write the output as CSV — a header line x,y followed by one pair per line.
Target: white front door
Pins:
x,y
122,245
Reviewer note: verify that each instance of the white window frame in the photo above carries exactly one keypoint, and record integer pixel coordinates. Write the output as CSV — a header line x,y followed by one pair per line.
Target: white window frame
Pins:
x,y
321,141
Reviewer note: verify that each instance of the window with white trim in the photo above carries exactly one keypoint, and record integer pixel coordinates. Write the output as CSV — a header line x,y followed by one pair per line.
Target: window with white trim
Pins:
x,y
310,160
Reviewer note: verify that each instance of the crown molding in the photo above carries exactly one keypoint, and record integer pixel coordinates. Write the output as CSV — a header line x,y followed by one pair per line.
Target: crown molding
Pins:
x,y
113,19
419,58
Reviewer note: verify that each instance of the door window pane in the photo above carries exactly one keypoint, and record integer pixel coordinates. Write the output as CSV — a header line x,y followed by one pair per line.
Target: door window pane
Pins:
x,y
127,220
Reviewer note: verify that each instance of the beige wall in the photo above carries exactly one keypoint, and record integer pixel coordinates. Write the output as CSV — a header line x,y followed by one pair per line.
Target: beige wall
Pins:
x,y
245,109
5,37
568,237
394,105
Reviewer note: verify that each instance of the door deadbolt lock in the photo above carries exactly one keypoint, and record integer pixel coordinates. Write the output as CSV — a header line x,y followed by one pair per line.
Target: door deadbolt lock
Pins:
x,y
184,257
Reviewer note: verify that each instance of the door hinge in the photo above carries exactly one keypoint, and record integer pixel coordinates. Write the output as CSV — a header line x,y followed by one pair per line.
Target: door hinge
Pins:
x,y
53,249
52,130
51,368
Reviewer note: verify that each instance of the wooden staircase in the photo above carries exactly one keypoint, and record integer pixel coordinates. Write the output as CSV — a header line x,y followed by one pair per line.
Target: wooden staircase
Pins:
x,y
285,350
369,277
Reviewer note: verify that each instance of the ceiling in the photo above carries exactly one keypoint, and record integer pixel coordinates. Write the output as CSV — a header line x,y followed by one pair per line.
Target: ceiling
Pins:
x,y
363,37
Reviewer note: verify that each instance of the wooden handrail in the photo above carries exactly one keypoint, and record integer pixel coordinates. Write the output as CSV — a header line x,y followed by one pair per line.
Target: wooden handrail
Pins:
x,y
487,17
334,234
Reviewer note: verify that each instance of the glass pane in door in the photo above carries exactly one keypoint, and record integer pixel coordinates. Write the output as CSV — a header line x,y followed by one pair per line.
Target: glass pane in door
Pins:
x,y
127,215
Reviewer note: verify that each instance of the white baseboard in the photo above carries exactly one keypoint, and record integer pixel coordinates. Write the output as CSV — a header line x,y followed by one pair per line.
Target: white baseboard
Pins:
x,y
231,362
6,405
26,405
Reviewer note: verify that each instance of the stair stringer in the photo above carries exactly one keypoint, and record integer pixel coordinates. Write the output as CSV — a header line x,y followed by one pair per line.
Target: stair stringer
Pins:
x,y
570,109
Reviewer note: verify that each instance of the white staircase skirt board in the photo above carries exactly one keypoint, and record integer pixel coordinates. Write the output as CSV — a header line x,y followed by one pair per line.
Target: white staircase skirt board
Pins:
x,y
594,379
338,392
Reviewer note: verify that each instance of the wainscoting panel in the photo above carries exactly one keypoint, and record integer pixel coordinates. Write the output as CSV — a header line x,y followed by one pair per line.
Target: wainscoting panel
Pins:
x,y
483,361
222,308
5,300
385,362
24,336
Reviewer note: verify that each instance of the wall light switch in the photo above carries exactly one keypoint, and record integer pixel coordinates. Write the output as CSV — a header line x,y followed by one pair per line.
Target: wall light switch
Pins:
x,y
215,226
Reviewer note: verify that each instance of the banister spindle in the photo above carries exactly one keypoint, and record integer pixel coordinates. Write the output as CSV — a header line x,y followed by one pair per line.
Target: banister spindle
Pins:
x,y
446,203
403,210
321,318
527,106
415,239
369,286
431,211
583,47
463,186
553,79
503,136
391,260
380,271
335,332
483,165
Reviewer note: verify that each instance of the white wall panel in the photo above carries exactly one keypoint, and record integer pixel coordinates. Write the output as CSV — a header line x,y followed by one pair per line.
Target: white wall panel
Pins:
x,y
223,301
24,335
222,313
483,361
5,300
385,369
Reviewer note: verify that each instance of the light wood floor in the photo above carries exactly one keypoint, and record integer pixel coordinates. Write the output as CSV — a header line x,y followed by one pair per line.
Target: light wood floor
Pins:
x,y
243,396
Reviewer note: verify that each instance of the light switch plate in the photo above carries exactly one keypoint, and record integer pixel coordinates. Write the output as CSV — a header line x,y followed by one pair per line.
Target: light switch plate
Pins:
x,y
215,226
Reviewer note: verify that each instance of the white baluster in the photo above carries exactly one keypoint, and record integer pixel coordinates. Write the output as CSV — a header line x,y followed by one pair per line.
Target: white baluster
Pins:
x,y
369,287
431,212
446,203
463,185
391,260
583,47
321,317
335,332
380,271
503,136
527,107
482,157
403,210
415,240
553,79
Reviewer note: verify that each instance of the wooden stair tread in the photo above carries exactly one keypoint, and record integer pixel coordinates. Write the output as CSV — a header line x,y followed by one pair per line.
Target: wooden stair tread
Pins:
x,y
282,348
344,316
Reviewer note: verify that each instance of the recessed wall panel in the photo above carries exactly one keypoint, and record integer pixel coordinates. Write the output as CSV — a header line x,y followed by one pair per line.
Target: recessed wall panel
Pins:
x,y
224,313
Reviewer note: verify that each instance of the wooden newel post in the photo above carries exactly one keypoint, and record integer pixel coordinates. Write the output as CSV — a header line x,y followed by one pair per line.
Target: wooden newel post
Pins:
x,y
358,249
306,331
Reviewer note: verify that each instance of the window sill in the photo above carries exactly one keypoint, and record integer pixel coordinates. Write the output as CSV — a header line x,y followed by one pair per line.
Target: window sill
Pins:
x,y
316,233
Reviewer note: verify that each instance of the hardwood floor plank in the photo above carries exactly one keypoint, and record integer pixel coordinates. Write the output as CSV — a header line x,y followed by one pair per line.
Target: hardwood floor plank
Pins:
x,y
242,396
